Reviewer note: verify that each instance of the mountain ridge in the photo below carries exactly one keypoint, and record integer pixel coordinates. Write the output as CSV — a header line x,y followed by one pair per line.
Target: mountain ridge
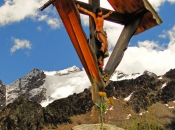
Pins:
x,y
138,94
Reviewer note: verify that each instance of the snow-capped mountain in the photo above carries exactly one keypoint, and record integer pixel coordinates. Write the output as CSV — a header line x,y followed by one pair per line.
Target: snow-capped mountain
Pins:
x,y
60,84
46,86
65,93
29,86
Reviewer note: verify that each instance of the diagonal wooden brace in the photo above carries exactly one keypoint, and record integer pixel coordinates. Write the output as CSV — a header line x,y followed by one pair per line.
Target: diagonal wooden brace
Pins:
x,y
121,46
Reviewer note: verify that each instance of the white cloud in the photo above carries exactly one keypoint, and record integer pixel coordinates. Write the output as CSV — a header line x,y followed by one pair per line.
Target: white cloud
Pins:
x,y
42,17
162,36
85,1
84,19
113,32
105,4
17,10
54,23
156,3
150,45
149,56
39,28
20,44
171,1
171,45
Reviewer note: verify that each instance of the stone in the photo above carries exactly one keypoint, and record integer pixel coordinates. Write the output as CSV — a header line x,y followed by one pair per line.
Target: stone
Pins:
x,y
96,127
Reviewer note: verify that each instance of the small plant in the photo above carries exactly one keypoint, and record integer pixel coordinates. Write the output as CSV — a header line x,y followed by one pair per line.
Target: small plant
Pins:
x,y
102,106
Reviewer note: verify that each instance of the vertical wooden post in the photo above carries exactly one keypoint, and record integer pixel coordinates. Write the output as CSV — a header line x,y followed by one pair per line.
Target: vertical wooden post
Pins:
x,y
96,99
95,4
95,87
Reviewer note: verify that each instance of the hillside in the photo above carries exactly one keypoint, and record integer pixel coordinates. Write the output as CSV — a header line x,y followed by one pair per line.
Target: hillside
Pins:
x,y
143,102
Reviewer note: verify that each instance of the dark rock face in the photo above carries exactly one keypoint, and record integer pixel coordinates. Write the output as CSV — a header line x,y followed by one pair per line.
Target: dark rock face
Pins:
x,y
145,90
170,74
2,95
27,86
23,114
150,74
60,110
168,92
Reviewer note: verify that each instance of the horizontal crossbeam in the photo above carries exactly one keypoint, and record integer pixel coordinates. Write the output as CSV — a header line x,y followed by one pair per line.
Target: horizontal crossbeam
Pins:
x,y
114,17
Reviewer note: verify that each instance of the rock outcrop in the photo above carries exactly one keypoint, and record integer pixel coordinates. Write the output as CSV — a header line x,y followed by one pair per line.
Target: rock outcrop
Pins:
x,y
2,95
23,114
29,86
60,110
145,90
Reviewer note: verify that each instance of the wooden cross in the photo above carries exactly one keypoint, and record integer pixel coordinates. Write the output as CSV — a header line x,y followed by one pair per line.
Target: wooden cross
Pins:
x,y
136,16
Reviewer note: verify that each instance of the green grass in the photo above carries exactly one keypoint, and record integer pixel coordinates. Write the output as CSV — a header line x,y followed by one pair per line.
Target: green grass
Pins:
x,y
144,122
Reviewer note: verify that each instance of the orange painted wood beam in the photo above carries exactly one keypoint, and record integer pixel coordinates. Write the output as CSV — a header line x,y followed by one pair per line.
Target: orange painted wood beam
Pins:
x,y
71,20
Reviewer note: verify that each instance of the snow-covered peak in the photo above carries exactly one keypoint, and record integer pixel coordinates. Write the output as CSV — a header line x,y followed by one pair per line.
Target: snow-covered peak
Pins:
x,y
60,84
64,85
53,85
67,71
119,75
32,81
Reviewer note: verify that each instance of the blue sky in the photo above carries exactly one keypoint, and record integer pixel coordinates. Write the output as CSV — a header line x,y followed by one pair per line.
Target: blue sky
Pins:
x,y
32,39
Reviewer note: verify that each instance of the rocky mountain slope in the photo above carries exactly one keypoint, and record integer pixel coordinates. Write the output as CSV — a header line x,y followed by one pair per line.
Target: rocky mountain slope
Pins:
x,y
2,95
23,114
139,98
38,85
27,86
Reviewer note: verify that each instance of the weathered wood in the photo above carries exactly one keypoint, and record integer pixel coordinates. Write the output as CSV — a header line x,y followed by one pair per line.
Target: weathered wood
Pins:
x,y
71,20
123,12
115,17
95,4
95,96
121,46
96,99
149,20
136,14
